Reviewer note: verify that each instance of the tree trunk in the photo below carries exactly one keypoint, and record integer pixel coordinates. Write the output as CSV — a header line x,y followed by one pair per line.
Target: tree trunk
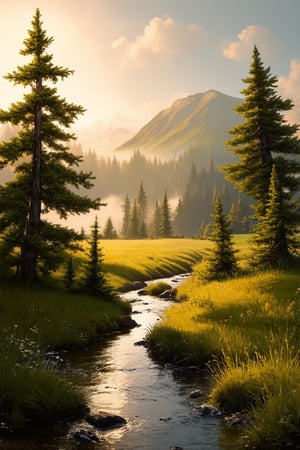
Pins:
x,y
29,255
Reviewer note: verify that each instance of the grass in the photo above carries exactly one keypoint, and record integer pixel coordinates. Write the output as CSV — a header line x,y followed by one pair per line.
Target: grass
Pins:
x,y
46,318
248,331
156,288
126,261
33,322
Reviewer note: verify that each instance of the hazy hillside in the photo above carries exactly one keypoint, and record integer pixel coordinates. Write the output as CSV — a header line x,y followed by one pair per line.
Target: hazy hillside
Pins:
x,y
200,120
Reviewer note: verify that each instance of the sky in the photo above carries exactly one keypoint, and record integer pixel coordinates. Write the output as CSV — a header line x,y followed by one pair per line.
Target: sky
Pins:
x,y
133,58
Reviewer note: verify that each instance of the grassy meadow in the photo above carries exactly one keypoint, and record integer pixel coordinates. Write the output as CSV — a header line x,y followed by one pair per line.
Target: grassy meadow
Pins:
x,y
34,322
247,330
126,261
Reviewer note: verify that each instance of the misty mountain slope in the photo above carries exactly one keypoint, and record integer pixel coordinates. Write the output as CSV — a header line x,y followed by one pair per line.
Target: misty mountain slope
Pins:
x,y
201,120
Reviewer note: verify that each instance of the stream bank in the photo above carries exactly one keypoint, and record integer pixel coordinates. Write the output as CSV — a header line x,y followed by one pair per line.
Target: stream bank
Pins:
x,y
118,376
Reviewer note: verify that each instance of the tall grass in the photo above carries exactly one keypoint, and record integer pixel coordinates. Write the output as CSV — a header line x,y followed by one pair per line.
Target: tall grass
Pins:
x,y
248,329
33,322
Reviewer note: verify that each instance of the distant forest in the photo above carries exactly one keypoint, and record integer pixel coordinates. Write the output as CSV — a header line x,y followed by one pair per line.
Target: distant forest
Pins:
x,y
195,186
183,178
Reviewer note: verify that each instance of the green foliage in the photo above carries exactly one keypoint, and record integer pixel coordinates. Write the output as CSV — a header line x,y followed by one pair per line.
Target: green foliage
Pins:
x,y
45,177
274,238
109,231
166,229
221,261
94,280
263,138
69,275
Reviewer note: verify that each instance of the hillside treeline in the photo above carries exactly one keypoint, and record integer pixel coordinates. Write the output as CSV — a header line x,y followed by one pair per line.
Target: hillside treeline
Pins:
x,y
183,178
194,186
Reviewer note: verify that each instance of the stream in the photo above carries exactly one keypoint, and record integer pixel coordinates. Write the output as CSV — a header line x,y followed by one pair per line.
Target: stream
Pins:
x,y
119,377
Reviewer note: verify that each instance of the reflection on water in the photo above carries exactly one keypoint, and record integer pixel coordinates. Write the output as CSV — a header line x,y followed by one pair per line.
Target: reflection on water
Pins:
x,y
119,377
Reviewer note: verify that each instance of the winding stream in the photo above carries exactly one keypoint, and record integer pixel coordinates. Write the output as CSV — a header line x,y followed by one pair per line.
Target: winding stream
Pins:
x,y
119,377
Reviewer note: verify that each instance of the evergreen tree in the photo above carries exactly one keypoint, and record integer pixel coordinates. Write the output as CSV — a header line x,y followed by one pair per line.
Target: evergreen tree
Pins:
x,y
221,262
44,168
133,232
69,275
126,218
142,211
155,226
94,280
274,238
109,231
166,229
263,138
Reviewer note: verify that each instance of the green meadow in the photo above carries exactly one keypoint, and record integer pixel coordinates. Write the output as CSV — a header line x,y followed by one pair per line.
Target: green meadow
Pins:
x,y
126,261
247,330
46,318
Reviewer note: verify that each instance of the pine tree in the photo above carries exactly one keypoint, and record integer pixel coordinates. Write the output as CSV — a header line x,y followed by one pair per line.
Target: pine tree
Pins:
x,y
126,218
69,275
166,229
94,280
155,226
221,262
133,232
263,138
109,231
274,238
44,168
142,211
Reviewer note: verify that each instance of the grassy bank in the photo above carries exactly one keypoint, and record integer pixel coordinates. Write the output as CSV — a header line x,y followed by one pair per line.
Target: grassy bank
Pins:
x,y
36,321
33,322
248,328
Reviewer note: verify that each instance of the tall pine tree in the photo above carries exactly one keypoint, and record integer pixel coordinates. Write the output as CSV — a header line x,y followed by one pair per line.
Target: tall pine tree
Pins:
x,y
262,139
44,168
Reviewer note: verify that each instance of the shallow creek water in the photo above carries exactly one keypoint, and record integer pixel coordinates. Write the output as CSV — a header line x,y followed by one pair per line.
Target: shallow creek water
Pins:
x,y
119,377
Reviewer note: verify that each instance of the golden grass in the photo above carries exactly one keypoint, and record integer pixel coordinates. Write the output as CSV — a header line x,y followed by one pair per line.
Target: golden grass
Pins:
x,y
126,261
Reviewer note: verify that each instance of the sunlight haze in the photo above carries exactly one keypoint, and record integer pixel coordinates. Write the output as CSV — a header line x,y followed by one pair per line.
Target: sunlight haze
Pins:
x,y
133,58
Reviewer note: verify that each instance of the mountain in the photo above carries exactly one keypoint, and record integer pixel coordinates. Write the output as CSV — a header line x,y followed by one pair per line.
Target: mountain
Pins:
x,y
201,120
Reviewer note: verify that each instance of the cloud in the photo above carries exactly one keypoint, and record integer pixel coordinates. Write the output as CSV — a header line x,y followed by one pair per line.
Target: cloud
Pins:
x,y
289,87
160,37
252,34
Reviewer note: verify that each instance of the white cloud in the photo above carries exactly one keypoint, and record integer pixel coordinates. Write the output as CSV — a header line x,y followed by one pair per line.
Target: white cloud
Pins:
x,y
160,37
289,87
252,34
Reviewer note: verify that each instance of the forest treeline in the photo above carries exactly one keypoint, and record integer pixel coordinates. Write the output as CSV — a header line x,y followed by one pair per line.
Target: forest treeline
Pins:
x,y
184,178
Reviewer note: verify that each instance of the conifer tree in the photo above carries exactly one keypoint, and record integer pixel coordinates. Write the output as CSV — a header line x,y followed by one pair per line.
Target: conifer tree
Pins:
x,y
142,211
44,169
126,218
263,138
133,232
94,280
166,229
221,262
109,231
274,238
69,275
155,226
